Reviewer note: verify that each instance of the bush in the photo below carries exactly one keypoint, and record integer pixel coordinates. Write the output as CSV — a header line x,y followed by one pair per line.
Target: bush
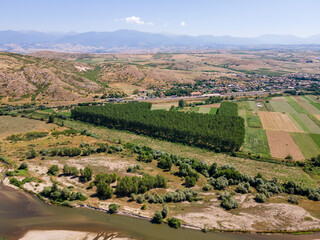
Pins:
x,y
260,197
165,211
104,191
190,181
229,203
220,183
157,217
53,170
243,188
206,187
293,199
174,222
23,165
113,208
144,207
86,174
70,171
31,154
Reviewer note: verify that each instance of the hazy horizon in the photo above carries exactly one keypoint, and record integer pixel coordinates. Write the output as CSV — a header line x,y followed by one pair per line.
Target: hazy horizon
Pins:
x,y
246,18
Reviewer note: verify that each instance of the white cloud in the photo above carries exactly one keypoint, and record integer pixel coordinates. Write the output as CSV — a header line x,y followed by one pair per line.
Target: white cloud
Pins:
x,y
183,24
136,20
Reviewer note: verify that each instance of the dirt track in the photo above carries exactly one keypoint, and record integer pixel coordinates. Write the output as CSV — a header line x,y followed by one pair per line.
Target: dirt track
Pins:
x,y
281,145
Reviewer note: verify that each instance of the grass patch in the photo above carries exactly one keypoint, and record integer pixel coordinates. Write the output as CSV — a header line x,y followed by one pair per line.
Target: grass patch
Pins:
x,y
280,106
315,138
253,106
204,110
244,105
213,110
299,122
256,142
48,110
253,120
296,106
306,145
194,109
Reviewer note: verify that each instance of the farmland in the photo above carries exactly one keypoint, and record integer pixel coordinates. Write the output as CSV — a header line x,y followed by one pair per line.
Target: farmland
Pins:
x,y
291,124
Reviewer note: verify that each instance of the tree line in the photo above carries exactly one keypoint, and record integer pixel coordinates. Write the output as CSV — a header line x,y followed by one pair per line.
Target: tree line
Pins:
x,y
223,131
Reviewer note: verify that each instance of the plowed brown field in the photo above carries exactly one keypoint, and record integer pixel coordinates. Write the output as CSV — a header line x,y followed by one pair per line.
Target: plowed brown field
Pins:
x,y
281,145
277,121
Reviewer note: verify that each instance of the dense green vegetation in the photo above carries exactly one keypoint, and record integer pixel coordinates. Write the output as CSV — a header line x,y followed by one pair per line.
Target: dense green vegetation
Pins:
x,y
224,131
228,109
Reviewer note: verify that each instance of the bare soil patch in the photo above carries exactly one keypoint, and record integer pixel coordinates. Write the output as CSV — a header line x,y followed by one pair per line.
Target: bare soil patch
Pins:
x,y
281,145
277,121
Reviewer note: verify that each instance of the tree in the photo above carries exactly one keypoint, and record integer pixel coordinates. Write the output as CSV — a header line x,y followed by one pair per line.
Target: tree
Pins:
x,y
113,208
23,165
174,222
104,190
87,174
165,211
190,181
51,119
165,163
157,217
53,170
181,103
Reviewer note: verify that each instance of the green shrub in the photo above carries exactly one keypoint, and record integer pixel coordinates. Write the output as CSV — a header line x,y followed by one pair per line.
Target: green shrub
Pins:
x,y
157,217
53,170
174,222
113,208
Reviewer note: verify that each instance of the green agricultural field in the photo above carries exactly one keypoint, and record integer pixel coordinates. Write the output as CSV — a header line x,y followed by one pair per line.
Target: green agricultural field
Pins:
x,y
299,124
256,142
253,106
268,106
315,138
194,109
314,128
213,110
243,114
204,110
244,105
280,106
312,102
306,144
296,106
308,106
253,120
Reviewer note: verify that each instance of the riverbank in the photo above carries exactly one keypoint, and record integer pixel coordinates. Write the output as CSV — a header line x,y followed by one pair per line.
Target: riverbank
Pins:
x,y
69,235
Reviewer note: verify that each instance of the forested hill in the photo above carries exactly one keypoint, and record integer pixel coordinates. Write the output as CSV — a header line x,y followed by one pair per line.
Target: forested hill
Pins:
x,y
224,131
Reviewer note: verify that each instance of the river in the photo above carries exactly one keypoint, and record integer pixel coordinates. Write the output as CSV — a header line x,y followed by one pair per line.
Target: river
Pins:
x,y
21,212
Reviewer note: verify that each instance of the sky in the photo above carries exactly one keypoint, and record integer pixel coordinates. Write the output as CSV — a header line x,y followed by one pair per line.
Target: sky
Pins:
x,y
241,18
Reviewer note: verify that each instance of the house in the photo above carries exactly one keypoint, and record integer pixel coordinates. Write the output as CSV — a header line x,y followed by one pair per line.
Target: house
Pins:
x,y
143,91
193,94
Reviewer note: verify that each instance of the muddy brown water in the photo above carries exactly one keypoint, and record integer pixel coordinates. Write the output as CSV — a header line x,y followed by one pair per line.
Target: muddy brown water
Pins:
x,y
21,212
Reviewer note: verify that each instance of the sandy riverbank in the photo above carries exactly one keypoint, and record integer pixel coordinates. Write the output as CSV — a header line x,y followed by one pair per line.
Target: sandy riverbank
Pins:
x,y
68,235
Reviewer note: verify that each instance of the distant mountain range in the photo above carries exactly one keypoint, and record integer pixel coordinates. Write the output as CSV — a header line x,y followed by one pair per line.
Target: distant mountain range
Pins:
x,y
126,40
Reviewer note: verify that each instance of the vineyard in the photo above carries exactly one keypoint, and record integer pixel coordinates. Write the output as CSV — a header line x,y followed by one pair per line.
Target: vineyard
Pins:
x,y
224,131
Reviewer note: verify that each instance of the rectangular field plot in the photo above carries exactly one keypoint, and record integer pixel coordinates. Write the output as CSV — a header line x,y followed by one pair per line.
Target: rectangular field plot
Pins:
x,y
295,105
204,110
306,144
256,141
281,145
277,121
253,105
315,138
281,106
312,101
313,128
253,120
213,110
307,105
